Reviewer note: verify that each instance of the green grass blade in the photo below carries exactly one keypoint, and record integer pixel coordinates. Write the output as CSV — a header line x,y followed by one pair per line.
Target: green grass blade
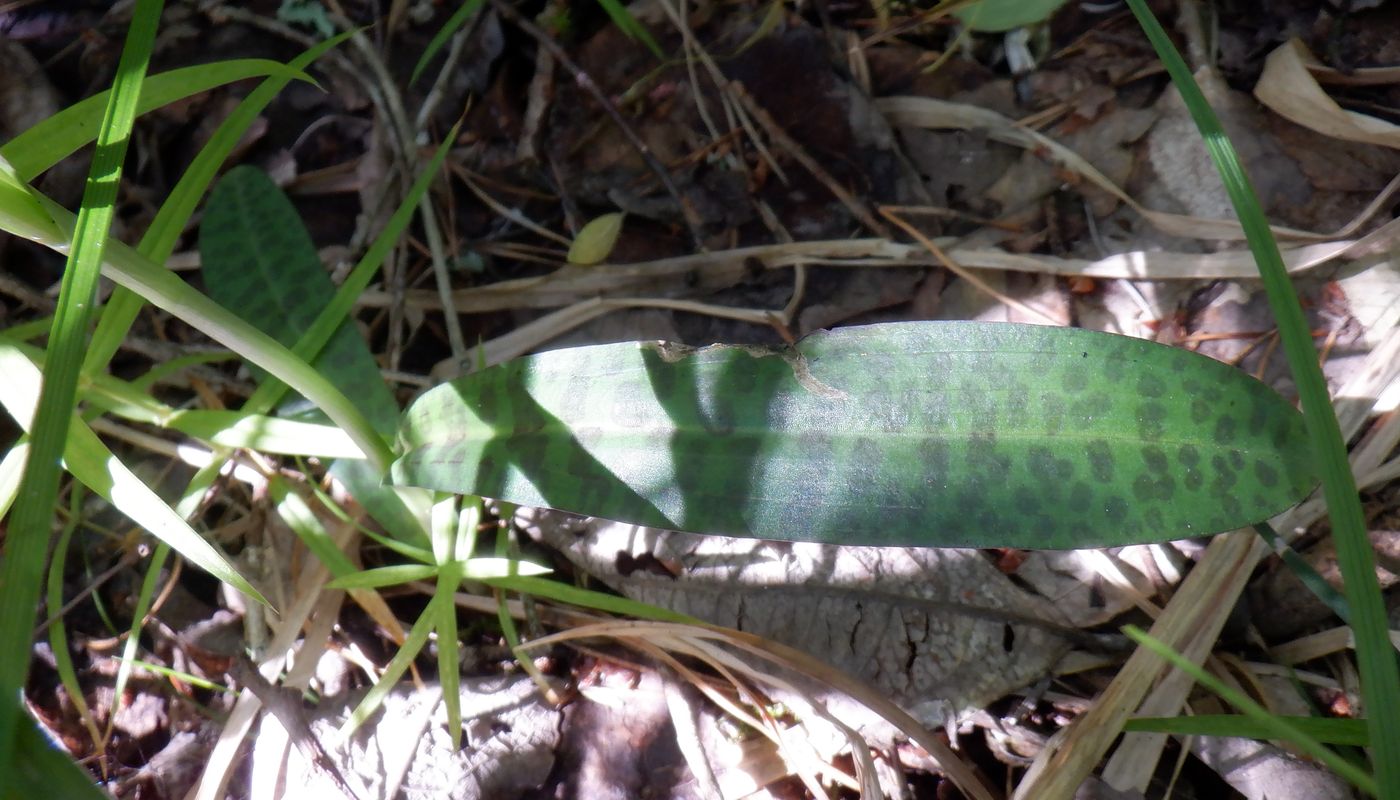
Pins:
x,y
26,543
1347,732
629,25
49,142
404,549
58,631
487,568
906,434
587,598
348,294
89,460
11,471
307,526
144,598
412,645
1304,571
459,18
1380,678
185,677
24,214
268,434
164,233
1278,727
449,650
379,577
168,292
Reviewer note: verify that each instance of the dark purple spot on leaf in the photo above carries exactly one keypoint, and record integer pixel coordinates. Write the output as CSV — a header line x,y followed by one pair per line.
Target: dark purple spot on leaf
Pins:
x,y
1052,409
1265,472
935,457
1258,416
1148,488
1115,509
1225,429
1200,411
1112,369
1152,518
1081,496
1150,385
1237,459
1074,379
1194,479
1225,477
1155,459
1101,460
1091,407
1150,417
1027,502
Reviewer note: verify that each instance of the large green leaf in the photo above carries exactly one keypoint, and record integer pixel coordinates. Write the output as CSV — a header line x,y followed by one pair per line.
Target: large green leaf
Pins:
x,y
257,257
911,434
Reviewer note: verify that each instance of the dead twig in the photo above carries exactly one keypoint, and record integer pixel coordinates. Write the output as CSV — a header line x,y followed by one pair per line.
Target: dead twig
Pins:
x,y
966,275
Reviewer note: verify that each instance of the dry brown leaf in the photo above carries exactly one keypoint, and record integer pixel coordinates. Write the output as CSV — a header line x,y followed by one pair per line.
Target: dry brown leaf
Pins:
x,y
1288,88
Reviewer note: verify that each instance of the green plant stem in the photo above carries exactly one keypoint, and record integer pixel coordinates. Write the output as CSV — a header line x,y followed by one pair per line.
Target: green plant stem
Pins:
x,y
1380,680
26,544
1276,726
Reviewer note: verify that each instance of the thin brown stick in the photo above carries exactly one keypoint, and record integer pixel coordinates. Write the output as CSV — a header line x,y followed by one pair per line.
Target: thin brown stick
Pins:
x,y
965,274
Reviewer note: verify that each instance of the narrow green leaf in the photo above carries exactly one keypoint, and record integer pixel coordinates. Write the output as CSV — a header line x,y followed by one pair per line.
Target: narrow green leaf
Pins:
x,y
587,598
28,536
459,18
412,645
268,434
58,630
161,237
1278,727
449,663
485,568
1348,732
144,598
385,576
89,460
911,434
193,680
21,211
1305,572
169,292
308,527
629,25
61,135
1380,678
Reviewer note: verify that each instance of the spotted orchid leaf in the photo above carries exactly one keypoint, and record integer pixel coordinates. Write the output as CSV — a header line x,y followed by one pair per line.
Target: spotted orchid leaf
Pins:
x,y
932,434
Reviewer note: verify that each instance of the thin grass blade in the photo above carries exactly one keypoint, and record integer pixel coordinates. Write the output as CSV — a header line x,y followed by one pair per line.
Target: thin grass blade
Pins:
x,y
1380,677
1278,727
27,539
